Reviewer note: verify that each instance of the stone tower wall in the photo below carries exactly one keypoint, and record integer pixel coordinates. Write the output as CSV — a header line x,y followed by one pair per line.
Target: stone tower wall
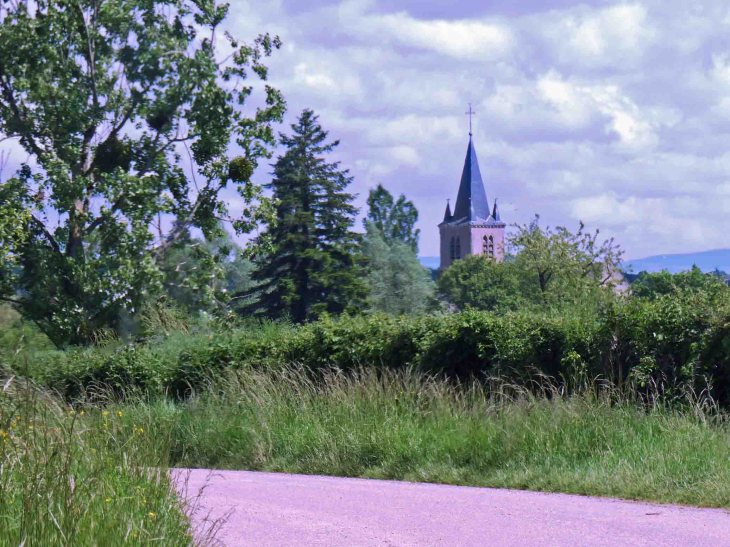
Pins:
x,y
471,238
477,238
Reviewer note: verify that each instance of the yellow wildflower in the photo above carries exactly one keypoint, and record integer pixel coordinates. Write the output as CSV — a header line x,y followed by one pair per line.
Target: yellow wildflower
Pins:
x,y
152,514
71,412
108,499
3,434
120,413
81,413
105,413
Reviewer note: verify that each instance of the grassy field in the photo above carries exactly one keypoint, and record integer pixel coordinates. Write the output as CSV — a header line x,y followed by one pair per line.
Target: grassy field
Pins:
x,y
85,477
73,468
401,425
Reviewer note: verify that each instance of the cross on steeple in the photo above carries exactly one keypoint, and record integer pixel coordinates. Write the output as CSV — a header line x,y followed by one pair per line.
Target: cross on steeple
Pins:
x,y
470,114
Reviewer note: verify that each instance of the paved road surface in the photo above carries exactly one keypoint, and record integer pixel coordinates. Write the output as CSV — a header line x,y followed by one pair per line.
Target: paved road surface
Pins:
x,y
277,510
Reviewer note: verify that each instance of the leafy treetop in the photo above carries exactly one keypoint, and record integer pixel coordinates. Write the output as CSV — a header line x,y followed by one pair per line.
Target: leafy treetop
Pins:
x,y
394,219
106,95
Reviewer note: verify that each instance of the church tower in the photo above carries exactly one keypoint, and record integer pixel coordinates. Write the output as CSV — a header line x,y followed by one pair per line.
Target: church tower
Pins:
x,y
472,229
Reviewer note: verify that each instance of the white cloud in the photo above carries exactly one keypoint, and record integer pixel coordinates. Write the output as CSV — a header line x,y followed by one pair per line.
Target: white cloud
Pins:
x,y
405,154
322,80
611,36
618,115
467,39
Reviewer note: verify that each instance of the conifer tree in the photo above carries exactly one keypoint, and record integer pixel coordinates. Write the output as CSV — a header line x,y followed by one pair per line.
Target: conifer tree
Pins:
x,y
316,265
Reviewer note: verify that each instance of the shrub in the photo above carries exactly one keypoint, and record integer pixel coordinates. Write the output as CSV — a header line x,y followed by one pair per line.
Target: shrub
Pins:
x,y
672,342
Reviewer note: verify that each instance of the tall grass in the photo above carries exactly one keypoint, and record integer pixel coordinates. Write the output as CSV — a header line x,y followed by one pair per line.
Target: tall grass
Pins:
x,y
403,425
84,476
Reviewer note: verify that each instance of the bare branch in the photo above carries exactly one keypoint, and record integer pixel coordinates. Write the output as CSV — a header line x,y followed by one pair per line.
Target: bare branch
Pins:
x,y
91,60
192,167
8,94
175,234
9,137
98,221
39,223
4,159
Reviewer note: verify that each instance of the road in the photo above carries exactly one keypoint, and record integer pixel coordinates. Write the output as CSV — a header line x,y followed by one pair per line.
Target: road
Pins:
x,y
279,510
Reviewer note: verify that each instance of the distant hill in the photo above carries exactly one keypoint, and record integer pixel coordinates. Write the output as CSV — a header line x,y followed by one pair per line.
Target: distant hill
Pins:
x,y
432,262
707,261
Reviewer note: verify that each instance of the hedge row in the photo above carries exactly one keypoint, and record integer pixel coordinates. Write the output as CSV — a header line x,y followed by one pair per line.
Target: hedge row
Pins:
x,y
674,341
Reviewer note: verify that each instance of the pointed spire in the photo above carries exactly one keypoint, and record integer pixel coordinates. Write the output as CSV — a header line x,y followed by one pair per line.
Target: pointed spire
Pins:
x,y
471,202
447,215
495,212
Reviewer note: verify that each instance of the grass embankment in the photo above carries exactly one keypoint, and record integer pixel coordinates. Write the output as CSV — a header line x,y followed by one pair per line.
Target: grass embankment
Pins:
x,y
84,477
401,425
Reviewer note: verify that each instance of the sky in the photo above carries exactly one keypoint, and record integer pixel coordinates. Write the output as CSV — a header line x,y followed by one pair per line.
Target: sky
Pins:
x,y
615,114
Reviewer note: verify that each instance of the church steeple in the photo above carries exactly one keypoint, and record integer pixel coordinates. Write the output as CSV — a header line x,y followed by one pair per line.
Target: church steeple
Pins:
x,y
471,201
472,229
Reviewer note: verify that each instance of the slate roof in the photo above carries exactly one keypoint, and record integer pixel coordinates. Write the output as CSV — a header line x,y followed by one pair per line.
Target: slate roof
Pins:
x,y
472,206
471,202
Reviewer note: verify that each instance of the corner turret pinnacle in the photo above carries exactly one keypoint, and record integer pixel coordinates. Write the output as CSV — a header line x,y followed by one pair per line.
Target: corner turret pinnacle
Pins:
x,y
447,215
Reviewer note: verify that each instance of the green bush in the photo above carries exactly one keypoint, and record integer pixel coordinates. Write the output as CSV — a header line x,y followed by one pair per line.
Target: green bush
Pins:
x,y
672,343
17,334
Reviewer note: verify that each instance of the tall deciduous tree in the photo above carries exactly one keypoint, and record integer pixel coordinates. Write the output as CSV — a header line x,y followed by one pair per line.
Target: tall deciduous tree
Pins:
x,y
105,95
394,219
397,281
480,283
203,274
316,265
565,265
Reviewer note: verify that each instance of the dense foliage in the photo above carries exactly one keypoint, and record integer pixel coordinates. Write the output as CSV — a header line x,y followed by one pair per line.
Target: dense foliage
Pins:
x,y
395,220
544,269
316,264
396,280
564,265
670,344
653,285
480,283
209,274
104,97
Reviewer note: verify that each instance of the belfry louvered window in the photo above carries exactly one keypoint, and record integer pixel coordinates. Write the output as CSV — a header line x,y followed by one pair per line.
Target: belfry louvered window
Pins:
x,y
458,248
488,246
453,249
